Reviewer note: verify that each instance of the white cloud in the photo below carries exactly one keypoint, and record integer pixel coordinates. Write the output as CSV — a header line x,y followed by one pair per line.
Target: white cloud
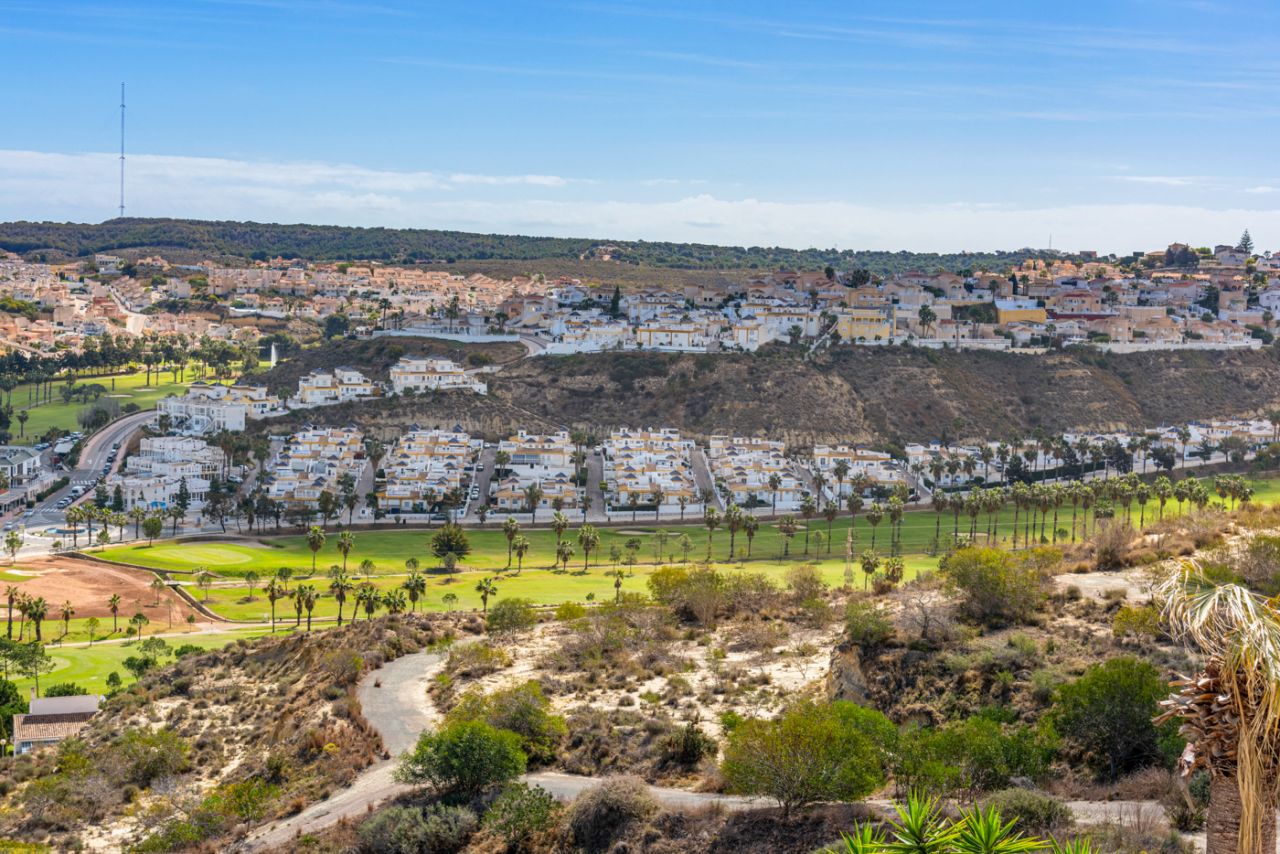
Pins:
x,y
1163,180
1261,190
82,187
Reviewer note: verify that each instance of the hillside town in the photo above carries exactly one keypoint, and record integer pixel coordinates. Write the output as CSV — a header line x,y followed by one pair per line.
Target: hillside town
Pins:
x,y
1180,297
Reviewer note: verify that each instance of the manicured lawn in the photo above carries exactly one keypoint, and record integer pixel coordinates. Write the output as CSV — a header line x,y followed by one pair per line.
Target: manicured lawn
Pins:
x,y
89,666
124,388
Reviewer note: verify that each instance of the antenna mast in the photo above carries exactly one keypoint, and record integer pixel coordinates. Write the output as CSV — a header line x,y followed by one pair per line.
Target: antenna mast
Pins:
x,y
122,149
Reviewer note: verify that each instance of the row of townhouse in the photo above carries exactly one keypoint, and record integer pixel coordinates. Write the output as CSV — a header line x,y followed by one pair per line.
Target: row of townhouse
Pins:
x,y
649,464
423,467
859,464
544,460
754,472
312,461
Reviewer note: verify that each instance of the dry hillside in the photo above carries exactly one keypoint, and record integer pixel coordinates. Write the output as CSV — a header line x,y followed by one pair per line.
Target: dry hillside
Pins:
x,y
867,394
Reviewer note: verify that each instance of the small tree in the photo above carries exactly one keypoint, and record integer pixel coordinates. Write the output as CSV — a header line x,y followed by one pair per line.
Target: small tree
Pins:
x,y
1107,713
463,758
812,752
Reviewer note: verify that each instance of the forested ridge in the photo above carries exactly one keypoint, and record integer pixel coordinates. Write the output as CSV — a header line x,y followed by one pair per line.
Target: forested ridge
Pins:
x,y
337,243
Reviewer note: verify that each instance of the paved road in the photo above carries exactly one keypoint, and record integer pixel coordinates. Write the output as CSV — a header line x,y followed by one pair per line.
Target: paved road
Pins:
x,y
93,457
394,701
398,710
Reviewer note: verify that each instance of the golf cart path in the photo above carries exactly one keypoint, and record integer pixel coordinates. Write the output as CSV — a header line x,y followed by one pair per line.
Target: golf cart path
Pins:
x,y
394,701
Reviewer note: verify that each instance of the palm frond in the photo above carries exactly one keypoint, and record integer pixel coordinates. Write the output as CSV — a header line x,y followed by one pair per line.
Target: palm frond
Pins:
x,y
1231,713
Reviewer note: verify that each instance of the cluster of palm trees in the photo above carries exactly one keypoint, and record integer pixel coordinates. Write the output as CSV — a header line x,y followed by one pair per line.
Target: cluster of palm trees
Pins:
x,y
363,595
33,609
148,523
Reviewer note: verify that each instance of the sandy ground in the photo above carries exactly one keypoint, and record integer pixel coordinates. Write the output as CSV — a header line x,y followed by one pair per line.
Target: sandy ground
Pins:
x,y
90,585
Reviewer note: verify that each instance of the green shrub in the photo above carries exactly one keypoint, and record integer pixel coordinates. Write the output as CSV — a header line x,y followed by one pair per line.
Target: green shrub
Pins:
x,y
520,812
811,752
569,611
465,757
688,745
866,624
603,813
996,587
65,689
149,754
1142,622
438,829
511,615
1107,714
451,539
977,754
521,709
1035,812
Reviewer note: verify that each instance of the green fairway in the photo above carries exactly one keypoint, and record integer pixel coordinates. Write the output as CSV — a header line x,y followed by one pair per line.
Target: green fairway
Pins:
x,y
542,582
89,666
123,388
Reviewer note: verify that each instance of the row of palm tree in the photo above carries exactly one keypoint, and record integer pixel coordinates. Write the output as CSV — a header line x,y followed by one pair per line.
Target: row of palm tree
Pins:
x,y
148,523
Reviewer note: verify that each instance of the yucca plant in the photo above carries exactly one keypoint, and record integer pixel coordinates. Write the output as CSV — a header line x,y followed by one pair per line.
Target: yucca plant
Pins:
x,y
921,828
1230,712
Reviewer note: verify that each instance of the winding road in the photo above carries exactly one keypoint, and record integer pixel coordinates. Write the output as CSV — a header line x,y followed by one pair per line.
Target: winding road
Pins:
x,y
394,701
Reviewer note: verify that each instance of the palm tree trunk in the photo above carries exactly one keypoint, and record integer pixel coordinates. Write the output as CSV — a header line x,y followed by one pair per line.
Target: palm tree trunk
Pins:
x,y
1223,823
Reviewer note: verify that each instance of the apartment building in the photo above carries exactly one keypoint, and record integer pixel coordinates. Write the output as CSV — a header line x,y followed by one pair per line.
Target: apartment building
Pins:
x,y
429,373
325,388
549,450
210,408
312,461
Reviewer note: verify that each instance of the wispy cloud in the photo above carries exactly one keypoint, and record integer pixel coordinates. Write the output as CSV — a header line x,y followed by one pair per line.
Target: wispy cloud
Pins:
x,y
1163,180
1262,189
40,185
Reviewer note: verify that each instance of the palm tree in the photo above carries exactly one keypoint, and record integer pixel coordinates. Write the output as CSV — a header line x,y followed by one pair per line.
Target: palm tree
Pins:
x,y
11,596
346,542
37,610
807,508
564,551
588,540
775,483
733,517
749,527
394,601
276,590
307,593
521,548
532,498
114,604
510,529
68,611
1230,712
367,597
315,542
340,585
710,518
157,586
486,588
415,585
559,524
875,513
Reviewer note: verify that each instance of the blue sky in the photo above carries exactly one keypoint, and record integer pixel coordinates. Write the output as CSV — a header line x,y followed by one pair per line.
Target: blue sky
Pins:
x,y
1113,125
